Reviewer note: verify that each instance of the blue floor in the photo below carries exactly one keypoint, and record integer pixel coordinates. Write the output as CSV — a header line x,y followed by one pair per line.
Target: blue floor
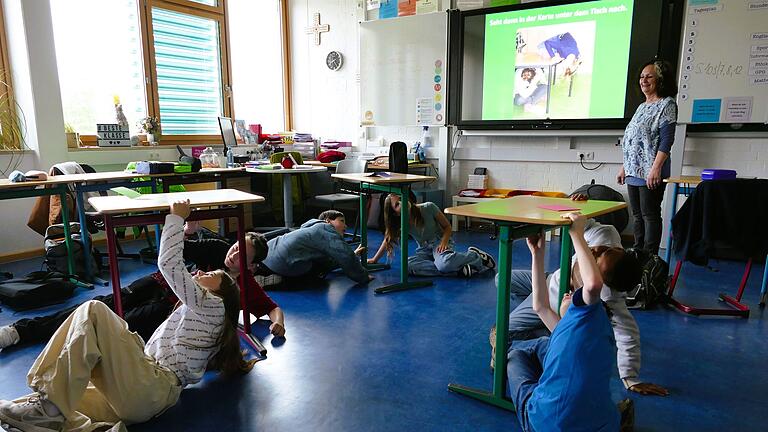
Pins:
x,y
354,361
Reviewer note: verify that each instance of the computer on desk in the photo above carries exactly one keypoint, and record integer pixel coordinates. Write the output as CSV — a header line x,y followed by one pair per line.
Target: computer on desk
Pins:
x,y
227,133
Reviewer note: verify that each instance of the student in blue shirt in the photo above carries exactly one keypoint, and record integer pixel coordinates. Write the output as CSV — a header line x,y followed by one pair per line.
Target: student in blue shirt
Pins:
x,y
561,382
562,48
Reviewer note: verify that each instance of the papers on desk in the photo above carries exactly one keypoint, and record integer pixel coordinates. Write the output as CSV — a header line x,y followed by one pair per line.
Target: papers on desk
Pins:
x,y
299,167
124,191
274,166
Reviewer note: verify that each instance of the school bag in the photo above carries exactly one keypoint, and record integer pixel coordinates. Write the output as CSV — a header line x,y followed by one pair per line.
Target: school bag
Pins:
x,y
654,281
620,218
56,249
35,290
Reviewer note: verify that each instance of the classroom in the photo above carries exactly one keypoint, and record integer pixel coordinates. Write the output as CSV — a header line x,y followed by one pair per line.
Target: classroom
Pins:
x,y
585,182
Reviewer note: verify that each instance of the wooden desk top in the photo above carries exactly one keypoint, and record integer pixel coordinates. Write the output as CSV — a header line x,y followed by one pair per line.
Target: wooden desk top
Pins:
x,y
684,179
207,198
370,165
525,209
393,178
312,169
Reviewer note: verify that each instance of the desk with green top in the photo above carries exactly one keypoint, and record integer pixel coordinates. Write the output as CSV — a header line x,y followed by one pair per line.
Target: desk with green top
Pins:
x,y
519,217
391,183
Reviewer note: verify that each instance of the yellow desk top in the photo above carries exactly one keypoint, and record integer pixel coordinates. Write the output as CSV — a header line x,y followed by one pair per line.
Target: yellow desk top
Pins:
x,y
525,209
106,175
207,198
393,178
684,179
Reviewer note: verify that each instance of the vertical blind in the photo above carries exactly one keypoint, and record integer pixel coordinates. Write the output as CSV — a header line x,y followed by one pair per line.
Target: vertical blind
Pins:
x,y
188,67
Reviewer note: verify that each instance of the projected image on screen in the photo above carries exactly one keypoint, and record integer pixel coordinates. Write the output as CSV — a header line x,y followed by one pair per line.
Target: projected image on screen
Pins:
x,y
558,62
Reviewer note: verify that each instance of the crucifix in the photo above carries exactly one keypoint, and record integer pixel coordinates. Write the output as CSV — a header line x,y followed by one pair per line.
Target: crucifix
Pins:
x,y
316,28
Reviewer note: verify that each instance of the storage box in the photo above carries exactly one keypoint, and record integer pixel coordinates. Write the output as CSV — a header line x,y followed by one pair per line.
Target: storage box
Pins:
x,y
477,182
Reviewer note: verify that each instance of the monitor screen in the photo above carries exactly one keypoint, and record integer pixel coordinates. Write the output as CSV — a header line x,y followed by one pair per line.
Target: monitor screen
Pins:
x,y
565,63
227,133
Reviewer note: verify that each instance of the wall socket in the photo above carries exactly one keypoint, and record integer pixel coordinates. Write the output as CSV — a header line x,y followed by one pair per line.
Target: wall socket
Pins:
x,y
585,155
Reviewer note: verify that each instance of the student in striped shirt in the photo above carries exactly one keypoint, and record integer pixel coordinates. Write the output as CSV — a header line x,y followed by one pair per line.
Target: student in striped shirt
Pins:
x,y
94,370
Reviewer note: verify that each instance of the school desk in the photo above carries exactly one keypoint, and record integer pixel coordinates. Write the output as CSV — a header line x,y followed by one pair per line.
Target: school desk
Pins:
x,y
287,186
389,183
519,217
685,185
228,203
371,166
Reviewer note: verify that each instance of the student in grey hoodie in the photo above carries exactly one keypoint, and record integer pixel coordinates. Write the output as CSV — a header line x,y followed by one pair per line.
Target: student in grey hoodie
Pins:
x,y
605,243
315,249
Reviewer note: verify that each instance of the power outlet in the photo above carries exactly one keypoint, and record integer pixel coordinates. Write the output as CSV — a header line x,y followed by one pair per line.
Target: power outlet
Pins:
x,y
585,155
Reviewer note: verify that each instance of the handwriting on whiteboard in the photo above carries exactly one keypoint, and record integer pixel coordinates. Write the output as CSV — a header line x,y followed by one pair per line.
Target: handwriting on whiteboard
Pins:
x,y
719,70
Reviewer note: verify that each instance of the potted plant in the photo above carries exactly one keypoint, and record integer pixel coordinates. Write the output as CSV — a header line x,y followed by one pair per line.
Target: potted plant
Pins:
x,y
73,138
151,126
12,124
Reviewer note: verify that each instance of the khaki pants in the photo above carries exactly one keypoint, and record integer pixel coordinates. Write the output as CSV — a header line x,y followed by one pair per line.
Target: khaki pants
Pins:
x,y
93,366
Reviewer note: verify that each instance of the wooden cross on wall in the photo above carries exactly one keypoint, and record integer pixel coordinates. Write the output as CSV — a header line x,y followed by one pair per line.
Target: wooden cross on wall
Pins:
x,y
316,28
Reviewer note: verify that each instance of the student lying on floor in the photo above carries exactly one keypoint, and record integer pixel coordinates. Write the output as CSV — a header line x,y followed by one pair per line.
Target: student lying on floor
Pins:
x,y
562,382
619,271
147,301
435,255
313,250
94,370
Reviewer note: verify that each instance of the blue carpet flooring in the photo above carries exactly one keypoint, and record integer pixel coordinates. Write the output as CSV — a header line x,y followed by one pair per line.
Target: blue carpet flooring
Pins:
x,y
356,361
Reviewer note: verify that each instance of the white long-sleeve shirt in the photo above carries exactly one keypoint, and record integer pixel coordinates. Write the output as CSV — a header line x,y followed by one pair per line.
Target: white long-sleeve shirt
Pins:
x,y
625,329
187,340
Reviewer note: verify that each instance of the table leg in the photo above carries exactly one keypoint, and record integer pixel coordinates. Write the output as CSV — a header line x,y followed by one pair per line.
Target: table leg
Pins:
x,y
114,271
404,226
158,229
764,289
668,252
565,262
67,236
287,200
497,397
364,235
244,291
84,236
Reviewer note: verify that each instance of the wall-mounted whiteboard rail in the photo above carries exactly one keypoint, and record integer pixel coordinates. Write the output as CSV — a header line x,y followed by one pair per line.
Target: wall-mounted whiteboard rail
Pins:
x,y
724,62
403,65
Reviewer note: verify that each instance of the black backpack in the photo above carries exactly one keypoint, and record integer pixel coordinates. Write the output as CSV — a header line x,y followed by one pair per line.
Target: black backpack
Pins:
x,y
56,249
654,281
398,157
35,290
619,219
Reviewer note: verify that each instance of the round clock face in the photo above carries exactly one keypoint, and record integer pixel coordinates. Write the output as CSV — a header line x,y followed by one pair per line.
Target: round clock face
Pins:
x,y
334,60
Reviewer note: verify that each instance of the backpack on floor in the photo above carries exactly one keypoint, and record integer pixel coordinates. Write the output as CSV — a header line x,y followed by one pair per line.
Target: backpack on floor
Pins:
x,y
56,249
653,282
35,290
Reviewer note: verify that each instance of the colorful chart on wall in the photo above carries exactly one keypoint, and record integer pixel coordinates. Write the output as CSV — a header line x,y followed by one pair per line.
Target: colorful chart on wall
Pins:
x,y
403,70
724,62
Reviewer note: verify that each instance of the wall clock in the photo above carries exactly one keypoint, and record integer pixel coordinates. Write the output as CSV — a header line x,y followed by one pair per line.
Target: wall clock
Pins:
x,y
334,60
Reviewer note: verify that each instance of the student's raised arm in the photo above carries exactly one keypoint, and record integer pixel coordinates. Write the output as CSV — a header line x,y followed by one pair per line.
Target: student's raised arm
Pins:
x,y
170,259
590,274
540,295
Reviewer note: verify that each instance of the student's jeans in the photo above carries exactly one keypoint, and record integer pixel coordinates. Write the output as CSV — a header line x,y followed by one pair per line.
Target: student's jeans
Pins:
x,y
525,361
426,261
646,214
144,301
524,322
538,93
93,366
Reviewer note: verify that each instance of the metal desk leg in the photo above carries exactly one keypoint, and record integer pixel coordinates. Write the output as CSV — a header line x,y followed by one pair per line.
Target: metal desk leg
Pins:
x,y
254,342
287,200
404,226
158,229
565,262
668,252
502,332
65,220
114,270
364,235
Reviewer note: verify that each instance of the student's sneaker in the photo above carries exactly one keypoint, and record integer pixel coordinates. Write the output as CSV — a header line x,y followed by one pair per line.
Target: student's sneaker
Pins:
x,y
466,271
270,280
488,260
8,336
627,410
29,416
492,340
5,427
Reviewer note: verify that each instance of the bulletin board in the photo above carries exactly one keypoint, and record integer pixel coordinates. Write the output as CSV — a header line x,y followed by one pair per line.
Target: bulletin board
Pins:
x,y
403,64
724,62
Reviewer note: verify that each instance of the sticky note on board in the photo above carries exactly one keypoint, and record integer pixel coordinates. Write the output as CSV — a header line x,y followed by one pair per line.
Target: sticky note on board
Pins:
x,y
706,110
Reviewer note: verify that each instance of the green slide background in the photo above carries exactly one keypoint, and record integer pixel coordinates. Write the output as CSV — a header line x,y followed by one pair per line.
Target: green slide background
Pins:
x,y
604,89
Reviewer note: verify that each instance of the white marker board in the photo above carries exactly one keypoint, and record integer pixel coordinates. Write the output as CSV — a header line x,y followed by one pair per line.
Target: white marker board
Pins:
x,y
724,62
403,65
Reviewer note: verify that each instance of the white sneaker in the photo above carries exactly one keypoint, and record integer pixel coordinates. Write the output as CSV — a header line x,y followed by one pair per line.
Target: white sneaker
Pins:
x,y
8,336
29,416
486,258
271,280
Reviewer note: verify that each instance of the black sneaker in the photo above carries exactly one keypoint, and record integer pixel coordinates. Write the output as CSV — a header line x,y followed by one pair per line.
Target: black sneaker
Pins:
x,y
487,259
466,271
627,410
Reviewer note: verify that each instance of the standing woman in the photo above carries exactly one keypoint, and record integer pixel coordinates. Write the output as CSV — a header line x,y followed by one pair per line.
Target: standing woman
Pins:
x,y
646,146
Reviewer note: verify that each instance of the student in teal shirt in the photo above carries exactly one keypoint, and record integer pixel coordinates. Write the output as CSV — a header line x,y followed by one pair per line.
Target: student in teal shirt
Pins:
x,y
435,255
561,382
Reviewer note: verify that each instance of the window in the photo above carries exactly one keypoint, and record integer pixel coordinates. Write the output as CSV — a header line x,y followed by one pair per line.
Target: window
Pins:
x,y
11,135
162,58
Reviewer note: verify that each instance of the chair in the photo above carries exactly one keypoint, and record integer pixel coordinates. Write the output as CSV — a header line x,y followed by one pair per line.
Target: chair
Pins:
x,y
300,184
343,194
